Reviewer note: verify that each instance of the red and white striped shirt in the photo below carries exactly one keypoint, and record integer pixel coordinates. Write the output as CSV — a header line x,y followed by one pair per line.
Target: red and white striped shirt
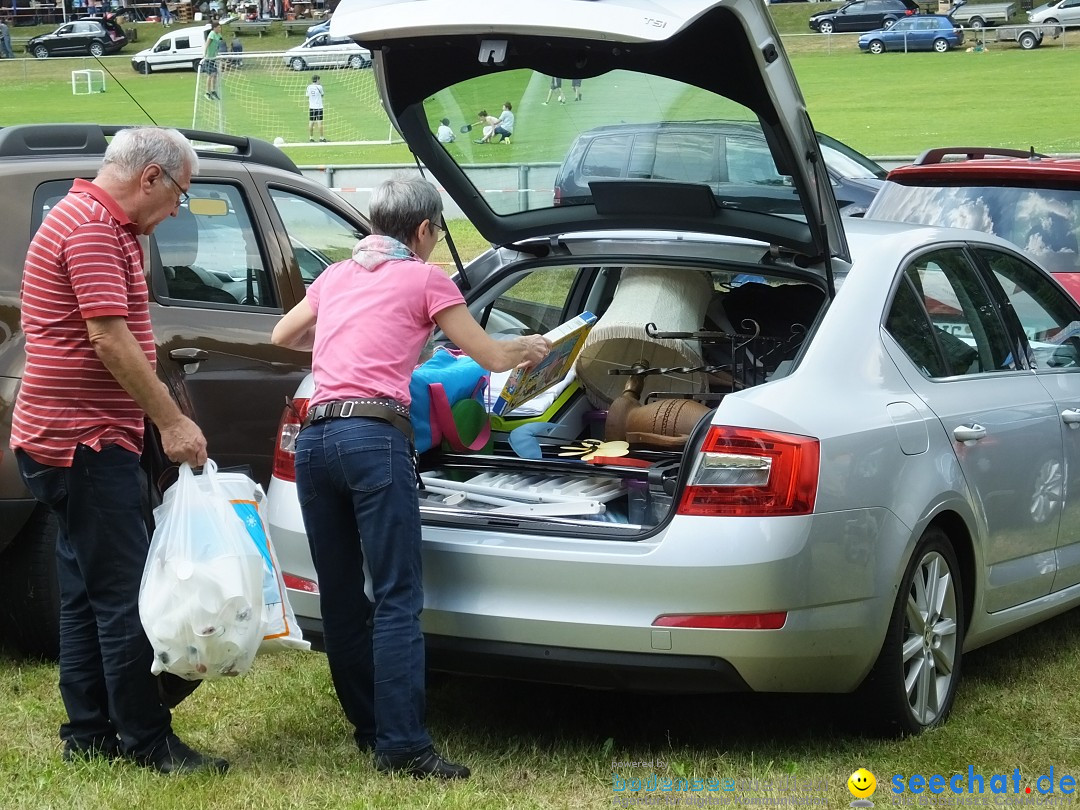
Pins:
x,y
84,262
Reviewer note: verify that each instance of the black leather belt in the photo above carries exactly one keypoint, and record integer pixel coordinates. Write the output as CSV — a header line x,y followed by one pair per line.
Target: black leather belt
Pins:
x,y
388,410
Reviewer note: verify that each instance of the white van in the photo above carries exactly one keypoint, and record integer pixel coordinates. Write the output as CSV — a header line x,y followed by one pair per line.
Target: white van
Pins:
x,y
175,50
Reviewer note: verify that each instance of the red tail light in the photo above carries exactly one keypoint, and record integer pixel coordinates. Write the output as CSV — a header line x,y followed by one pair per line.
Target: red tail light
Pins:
x,y
288,429
557,199
752,473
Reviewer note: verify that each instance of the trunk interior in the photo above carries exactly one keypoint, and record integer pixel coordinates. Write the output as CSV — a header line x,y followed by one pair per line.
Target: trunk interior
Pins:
x,y
603,452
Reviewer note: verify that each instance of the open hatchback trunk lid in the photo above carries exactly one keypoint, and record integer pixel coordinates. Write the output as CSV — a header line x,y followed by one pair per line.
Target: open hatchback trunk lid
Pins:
x,y
746,163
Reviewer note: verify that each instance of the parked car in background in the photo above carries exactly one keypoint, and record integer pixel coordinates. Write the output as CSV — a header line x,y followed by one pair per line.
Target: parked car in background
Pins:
x,y
723,153
325,51
1063,12
1031,200
862,15
878,473
219,274
923,32
181,49
90,36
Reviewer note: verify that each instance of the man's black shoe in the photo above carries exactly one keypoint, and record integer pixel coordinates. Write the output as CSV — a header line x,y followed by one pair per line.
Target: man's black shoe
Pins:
x,y
73,752
172,689
426,764
175,756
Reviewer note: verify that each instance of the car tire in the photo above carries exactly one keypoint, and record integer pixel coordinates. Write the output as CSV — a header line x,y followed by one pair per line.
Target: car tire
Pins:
x,y
29,591
826,27
1029,41
926,654
195,65
143,68
1050,21
876,46
297,63
97,50
941,45
888,22
41,52
356,62
976,23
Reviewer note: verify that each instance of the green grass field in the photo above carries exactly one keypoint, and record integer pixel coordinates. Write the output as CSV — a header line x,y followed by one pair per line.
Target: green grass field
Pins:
x,y
893,104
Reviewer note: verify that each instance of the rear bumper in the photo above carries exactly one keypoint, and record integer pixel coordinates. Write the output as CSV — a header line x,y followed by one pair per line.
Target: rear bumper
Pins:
x,y
597,669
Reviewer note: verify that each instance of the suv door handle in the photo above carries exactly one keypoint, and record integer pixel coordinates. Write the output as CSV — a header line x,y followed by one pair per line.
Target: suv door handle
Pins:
x,y
969,434
1071,417
189,354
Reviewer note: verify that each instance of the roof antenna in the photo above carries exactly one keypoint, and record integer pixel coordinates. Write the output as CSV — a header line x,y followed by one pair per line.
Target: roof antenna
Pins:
x,y
120,84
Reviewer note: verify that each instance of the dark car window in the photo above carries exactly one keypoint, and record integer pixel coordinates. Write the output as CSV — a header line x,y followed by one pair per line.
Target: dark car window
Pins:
x,y
965,327
209,251
682,156
1049,318
606,157
318,236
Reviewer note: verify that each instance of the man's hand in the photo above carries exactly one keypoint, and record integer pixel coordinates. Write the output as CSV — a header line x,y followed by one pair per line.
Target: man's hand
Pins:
x,y
183,441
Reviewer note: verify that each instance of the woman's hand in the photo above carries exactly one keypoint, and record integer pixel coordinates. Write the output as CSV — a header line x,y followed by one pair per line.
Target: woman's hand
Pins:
x,y
534,348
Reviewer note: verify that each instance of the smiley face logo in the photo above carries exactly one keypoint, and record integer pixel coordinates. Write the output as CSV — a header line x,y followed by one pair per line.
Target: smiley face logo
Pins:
x,y
862,784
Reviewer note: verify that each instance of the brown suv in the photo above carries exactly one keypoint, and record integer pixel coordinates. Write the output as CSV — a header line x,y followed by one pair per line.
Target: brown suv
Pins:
x,y
220,273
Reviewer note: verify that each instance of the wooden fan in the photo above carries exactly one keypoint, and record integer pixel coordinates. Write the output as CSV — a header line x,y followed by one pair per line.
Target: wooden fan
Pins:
x,y
594,447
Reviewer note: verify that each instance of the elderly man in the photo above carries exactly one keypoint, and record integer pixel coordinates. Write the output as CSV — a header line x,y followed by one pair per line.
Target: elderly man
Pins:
x,y
77,432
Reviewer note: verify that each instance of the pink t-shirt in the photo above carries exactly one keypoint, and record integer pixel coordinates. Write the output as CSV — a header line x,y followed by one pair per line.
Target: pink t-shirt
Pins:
x,y
372,325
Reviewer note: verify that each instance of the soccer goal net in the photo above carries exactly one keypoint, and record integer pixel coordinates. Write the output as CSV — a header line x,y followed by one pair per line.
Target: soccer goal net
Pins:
x,y
265,95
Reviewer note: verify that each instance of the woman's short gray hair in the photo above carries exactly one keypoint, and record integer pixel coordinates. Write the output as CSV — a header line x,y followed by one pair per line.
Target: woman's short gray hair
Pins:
x,y
132,150
398,206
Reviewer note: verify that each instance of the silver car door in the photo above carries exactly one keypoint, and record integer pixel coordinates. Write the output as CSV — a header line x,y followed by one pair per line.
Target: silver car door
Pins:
x,y
1003,425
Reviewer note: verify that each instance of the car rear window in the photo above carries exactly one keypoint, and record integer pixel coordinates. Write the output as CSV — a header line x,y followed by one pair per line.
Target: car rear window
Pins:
x,y
621,125
1045,223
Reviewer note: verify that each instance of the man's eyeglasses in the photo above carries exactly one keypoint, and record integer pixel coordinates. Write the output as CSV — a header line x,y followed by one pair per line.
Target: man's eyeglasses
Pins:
x,y
183,194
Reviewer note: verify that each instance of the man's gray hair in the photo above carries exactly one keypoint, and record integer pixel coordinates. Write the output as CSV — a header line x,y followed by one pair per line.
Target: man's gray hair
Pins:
x,y
398,206
133,149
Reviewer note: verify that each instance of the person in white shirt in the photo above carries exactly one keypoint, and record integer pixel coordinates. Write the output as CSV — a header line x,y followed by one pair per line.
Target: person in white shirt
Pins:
x,y
445,134
503,126
315,93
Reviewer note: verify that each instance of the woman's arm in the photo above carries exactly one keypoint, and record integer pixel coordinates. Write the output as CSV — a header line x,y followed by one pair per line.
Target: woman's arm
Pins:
x,y
296,329
494,355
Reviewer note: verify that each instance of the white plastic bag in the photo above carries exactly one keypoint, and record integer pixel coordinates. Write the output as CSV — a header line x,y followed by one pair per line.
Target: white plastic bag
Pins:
x,y
280,630
201,595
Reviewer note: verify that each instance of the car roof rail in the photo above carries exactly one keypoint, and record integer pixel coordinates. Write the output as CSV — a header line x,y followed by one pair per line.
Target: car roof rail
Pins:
x,y
931,156
45,140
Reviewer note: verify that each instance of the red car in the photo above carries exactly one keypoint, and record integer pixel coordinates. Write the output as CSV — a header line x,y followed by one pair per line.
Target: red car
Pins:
x,y
1030,199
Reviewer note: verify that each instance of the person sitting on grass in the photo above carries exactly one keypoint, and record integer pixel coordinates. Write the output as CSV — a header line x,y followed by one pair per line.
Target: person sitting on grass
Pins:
x,y
489,122
503,125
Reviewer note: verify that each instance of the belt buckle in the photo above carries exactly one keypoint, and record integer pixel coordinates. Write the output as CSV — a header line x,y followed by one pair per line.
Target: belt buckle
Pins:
x,y
347,408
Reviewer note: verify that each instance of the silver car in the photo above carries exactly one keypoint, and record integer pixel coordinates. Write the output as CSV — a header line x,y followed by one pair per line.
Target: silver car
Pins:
x,y
851,443
326,51
1063,12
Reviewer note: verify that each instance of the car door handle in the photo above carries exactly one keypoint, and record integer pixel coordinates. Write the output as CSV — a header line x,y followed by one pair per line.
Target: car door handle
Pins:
x,y
189,354
969,434
1071,417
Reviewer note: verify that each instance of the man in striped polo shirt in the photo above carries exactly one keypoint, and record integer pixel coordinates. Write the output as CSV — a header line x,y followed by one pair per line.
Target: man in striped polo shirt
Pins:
x,y
77,432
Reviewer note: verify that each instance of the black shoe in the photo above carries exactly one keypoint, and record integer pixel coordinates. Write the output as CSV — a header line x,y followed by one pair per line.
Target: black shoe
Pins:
x,y
73,752
172,689
210,96
175,756
421,766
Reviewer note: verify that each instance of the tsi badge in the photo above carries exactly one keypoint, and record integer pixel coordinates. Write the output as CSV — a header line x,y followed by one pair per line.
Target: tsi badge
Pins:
x,y
862,785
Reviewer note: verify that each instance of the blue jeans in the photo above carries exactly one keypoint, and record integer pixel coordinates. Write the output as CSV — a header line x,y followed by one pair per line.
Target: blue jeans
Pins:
x,y
105,657
356,481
